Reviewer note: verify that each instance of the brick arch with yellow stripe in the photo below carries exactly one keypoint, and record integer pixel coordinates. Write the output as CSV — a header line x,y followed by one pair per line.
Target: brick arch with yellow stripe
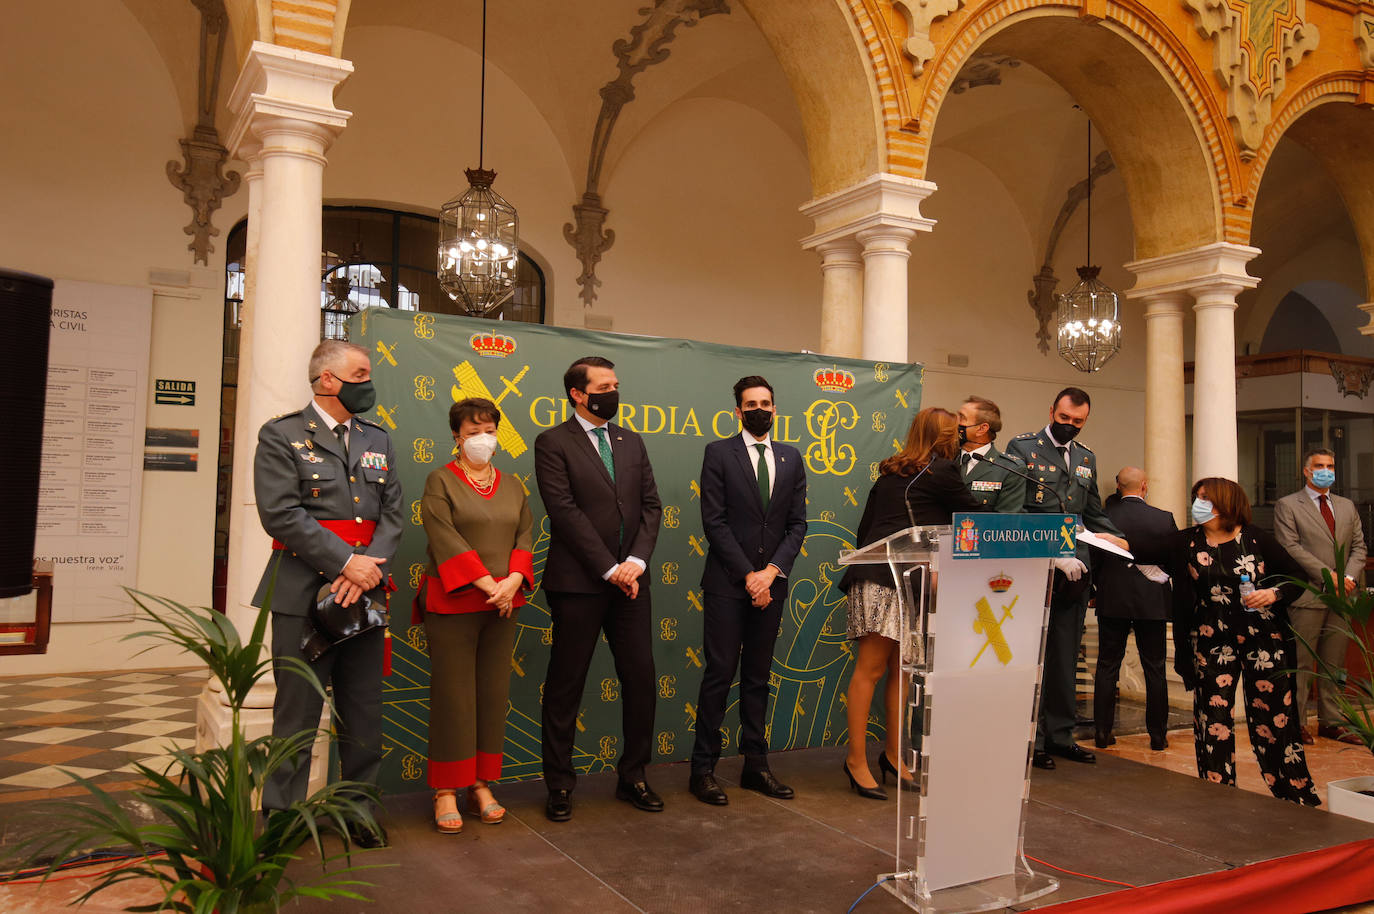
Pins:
x,y
1147,95
302,25
1330,117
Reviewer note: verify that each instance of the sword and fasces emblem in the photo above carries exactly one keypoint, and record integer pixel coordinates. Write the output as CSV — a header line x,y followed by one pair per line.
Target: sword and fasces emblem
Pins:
x,y
990,627
470,385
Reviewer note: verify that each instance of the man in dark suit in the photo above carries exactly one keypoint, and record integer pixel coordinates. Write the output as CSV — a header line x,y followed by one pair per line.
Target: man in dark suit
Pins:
x,y
328,492
991,479
1134,596
1065,474
599,493
753,510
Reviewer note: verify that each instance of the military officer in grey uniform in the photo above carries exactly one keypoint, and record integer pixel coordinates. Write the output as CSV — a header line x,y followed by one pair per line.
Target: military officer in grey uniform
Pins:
x,y
328,492
990,480
1066,474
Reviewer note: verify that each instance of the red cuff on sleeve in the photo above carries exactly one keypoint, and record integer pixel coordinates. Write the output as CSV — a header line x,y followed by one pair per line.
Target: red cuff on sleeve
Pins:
x,y
461,570
523,562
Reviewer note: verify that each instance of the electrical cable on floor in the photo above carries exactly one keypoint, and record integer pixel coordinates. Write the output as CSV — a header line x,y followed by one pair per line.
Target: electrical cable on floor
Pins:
x,y
1081,875
865,894
33,875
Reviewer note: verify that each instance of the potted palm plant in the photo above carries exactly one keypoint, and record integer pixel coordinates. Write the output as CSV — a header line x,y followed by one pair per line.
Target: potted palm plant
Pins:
x,y
206,849
1354,689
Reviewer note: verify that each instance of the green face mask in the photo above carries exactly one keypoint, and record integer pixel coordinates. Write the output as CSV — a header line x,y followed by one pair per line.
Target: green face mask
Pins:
x,y
357,396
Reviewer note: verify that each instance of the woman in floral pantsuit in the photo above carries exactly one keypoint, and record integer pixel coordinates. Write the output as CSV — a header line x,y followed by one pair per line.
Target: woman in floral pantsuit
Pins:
x,y
1221,639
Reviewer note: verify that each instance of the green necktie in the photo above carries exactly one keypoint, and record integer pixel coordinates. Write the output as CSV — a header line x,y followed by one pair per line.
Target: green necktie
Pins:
x,y
604,446
763,474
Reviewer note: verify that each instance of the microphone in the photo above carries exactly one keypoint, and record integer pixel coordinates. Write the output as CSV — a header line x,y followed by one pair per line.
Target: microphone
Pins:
x,y
1025,476
906,493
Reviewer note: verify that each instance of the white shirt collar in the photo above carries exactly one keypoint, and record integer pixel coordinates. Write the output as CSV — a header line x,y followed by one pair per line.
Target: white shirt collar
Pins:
x,y
750,440
1315,495
587,426
329,420
980,449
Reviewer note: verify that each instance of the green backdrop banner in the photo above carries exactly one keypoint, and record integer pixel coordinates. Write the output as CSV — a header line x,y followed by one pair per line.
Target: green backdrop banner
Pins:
x,y
844,415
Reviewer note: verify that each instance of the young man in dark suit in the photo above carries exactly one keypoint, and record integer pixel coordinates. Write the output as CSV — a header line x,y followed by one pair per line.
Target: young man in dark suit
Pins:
x,y
327,490
599,493
1134,595
753,511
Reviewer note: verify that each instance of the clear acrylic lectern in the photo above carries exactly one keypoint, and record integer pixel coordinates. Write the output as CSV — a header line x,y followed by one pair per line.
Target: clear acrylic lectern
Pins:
x,y
972,642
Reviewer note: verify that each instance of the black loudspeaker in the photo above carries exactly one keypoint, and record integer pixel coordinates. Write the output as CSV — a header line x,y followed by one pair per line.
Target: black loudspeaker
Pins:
x,y
26,302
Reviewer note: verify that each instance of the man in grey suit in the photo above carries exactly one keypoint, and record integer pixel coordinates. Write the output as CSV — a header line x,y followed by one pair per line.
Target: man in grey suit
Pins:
x,y
1312,524
328,492
992,477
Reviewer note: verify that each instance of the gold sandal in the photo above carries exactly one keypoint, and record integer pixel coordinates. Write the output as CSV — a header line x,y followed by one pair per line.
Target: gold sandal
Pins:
x,y
491,814
447,819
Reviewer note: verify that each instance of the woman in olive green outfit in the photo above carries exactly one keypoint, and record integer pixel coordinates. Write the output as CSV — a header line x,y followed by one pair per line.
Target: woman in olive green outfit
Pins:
x,y
479,529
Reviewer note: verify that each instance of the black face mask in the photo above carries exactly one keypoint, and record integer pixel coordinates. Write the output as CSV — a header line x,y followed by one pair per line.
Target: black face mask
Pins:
x,y
357,396
963,434
604,405
1063,432
757,422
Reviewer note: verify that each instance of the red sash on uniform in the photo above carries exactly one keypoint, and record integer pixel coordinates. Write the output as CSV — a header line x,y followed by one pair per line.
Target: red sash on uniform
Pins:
x,y
359,532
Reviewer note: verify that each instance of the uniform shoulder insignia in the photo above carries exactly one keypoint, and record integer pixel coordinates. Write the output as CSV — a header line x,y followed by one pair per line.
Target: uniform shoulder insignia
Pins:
x,y
1010,458
1084,446
1025,435
360,420
278,418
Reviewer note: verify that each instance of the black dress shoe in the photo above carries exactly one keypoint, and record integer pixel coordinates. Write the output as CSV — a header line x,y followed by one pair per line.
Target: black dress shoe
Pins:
x,y
1340,734
1103,740
705,789
366,838
766,784
640,795
559,806
1159,743
1041,759
1073,752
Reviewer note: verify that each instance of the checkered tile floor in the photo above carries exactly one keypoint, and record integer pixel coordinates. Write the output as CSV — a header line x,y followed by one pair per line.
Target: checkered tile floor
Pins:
x,y
96,725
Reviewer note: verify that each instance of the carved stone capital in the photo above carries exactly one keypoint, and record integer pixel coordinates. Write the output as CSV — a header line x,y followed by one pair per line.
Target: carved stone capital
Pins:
x,y
1253,48
1352,380
1364,39
201,179
919,16
586,236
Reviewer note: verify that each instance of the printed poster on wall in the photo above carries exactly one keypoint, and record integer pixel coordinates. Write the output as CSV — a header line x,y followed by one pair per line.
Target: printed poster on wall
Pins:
x,y
843,415
91,481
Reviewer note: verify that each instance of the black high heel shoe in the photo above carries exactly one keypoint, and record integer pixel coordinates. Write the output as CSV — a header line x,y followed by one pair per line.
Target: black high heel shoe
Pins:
x,y
868,793
887,768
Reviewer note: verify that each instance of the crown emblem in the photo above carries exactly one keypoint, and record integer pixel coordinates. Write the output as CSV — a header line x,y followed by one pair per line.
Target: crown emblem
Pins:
x,y
1000,582
492,345
966,540
833,379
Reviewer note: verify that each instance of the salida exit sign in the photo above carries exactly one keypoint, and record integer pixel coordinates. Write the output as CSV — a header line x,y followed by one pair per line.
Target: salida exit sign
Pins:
x,y
174,393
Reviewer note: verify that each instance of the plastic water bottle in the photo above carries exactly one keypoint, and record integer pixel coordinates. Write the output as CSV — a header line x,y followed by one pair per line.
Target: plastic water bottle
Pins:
x,y
1246,586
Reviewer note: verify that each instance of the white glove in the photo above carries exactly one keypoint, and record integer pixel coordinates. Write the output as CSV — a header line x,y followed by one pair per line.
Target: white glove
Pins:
x,y
1071,567
1154,573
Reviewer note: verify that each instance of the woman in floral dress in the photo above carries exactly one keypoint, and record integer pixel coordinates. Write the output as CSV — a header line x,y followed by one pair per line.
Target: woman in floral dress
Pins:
x,y
1221,637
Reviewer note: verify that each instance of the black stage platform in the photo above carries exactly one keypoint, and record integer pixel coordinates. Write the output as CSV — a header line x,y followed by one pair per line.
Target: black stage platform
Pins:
x,y
1118,820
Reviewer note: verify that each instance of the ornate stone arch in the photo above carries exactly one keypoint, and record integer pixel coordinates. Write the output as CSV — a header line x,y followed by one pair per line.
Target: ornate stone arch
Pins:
x,y
1323,116
1157,101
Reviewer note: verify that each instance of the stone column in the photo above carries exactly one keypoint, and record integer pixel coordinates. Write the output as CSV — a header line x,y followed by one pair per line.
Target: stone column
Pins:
x,y
867,317
284,121
1212,276
1166,458
842,298
885,292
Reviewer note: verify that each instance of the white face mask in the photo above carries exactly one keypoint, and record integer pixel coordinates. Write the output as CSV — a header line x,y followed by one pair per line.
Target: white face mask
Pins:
x,y
479,448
